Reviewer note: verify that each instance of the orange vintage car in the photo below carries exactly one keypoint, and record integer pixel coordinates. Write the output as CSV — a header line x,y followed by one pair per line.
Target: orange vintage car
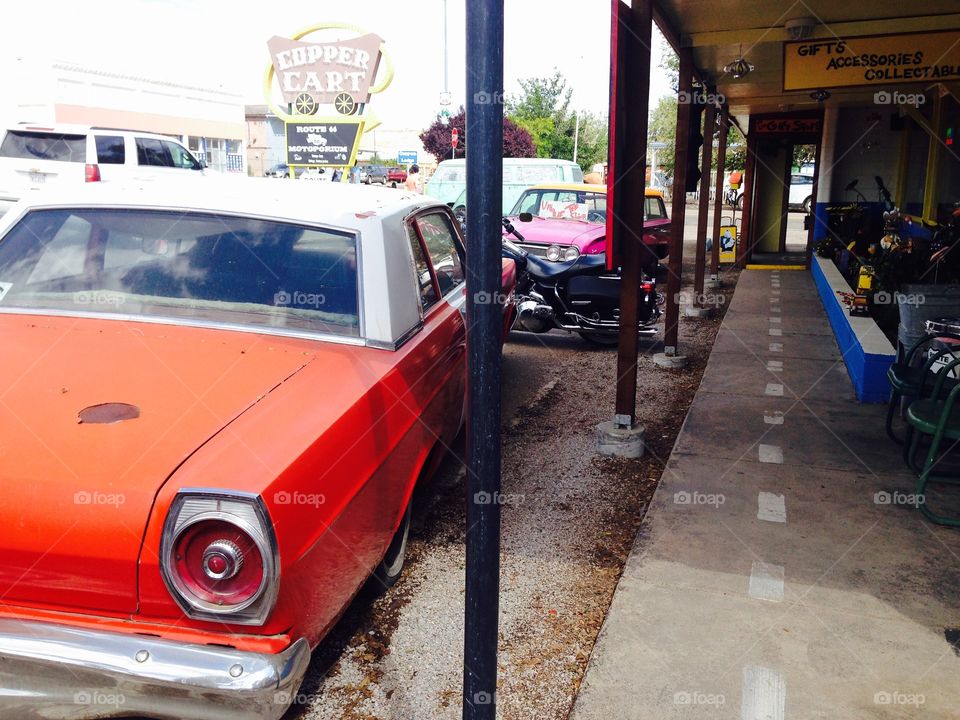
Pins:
x,y
215,404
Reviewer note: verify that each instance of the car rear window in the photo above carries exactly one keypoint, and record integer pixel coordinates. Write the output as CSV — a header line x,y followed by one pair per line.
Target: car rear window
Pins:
x,y
110,150
654,209
32,145
193,267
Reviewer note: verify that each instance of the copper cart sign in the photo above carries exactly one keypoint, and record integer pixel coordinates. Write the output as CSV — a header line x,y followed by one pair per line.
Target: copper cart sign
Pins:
x,y
326,70
339,73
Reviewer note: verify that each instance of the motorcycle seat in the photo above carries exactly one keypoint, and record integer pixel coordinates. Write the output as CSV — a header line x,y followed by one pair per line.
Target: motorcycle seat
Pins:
x,y
557,271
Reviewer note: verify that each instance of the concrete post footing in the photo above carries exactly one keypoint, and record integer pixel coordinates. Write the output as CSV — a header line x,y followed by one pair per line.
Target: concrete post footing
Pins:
x,y
614,439
673,362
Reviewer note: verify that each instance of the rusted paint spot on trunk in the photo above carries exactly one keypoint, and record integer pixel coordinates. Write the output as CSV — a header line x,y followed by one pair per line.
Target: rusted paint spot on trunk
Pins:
x,y
108,413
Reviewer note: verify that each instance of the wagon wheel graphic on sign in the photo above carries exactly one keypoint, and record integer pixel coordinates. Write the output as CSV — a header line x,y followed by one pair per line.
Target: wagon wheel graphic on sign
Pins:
x,y
305,104
345,104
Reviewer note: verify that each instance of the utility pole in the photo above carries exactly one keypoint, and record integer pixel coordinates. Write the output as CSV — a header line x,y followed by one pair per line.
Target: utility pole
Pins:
x,y
576,137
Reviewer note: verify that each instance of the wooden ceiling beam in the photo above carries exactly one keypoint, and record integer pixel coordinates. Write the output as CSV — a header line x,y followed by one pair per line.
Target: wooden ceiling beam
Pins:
x,y
754,36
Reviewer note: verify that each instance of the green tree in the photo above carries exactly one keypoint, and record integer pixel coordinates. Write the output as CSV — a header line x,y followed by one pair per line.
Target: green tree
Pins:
x,y
543,108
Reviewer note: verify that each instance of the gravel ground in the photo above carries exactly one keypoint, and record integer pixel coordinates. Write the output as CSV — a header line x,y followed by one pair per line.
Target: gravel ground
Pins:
x,y
568,525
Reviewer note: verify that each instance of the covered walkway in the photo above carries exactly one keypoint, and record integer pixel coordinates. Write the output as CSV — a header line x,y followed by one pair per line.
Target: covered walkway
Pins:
x,y
781,571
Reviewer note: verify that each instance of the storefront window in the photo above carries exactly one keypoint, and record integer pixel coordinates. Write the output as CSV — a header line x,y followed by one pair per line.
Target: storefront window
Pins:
x,y
948,182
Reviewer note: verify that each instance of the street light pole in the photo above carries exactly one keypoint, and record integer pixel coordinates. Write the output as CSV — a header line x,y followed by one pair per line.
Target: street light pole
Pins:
x,y
446,67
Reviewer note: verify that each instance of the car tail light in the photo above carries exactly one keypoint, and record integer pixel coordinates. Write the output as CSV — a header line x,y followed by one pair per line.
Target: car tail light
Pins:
x,y
647,286
219,556
92,173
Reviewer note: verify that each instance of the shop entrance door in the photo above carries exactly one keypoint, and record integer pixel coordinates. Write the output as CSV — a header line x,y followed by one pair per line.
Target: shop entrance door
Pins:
x,y
775,231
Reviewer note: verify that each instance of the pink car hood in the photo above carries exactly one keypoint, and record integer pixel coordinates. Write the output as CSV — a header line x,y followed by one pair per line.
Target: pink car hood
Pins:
x,y
588,237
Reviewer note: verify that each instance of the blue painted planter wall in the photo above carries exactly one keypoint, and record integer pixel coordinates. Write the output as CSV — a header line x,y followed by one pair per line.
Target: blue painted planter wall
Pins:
x,y
868,371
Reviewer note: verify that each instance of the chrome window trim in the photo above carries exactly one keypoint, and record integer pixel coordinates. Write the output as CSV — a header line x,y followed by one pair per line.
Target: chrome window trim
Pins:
x,y
266,596
354,232
399,342
211,325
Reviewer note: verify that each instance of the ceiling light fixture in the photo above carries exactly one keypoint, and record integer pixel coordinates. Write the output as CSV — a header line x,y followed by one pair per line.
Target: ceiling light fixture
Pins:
x,y
820,95
739,67
800,28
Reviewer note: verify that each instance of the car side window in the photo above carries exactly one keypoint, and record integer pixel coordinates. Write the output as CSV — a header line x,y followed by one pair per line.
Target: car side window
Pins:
x,y
443,249
180,157
530,203
110,149
425,286
151,151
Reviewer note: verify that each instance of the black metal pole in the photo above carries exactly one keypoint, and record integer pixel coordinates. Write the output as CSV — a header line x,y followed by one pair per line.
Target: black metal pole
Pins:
x,y
484,198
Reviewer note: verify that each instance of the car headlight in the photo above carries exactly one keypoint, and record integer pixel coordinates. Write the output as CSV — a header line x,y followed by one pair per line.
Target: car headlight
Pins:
x,y
571,253
553,253
219,556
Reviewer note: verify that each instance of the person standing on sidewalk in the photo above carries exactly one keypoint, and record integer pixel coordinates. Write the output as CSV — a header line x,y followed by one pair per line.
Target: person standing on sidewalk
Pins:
x,y
412,183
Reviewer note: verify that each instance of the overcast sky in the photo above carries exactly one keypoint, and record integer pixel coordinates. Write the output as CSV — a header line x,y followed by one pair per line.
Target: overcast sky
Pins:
x,y
213,44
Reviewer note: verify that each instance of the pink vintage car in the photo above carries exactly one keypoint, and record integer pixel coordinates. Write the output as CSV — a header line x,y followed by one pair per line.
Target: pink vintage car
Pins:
x,y
569,220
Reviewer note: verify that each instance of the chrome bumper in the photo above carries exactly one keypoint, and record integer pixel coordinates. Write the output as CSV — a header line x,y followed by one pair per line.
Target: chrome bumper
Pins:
x,y
55,671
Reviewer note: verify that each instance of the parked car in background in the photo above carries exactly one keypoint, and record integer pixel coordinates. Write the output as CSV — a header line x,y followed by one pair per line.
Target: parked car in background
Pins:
x,y
375,175
34,157
314,174
396,176
801,192
569,220
280,170
225,397
450,178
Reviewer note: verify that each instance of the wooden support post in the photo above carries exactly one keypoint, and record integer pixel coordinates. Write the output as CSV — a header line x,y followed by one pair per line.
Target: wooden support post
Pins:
x,y
744,241
718,198
630,90
678,206
699,268
934,152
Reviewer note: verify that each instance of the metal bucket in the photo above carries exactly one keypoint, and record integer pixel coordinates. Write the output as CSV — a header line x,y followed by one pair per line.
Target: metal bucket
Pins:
x,y
919,303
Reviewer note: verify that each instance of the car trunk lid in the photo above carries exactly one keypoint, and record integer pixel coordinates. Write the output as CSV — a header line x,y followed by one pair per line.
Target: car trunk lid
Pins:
x,y
32,159
94,417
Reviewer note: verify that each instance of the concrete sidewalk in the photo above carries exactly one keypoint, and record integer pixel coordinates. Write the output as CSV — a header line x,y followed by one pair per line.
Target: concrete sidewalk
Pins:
x,y
781,571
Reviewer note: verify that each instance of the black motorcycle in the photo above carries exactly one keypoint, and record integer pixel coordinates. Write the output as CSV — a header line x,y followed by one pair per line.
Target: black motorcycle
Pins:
x,y
580,296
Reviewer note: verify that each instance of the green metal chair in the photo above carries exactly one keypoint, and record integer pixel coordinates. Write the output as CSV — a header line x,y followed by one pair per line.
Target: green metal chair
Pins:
x,y
939,417
907,379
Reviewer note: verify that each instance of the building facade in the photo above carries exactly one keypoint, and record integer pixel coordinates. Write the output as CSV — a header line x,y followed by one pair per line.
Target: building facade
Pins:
x,y
208,120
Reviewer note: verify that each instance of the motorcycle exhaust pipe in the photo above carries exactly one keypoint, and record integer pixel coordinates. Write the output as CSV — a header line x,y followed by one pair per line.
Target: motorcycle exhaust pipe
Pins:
x,y
534,316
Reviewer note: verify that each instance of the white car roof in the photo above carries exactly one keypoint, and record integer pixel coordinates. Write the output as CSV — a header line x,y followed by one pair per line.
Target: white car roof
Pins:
x,y
334,204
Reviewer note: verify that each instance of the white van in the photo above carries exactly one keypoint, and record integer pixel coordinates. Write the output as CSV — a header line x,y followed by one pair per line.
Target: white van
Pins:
x,y
450,178
35,156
